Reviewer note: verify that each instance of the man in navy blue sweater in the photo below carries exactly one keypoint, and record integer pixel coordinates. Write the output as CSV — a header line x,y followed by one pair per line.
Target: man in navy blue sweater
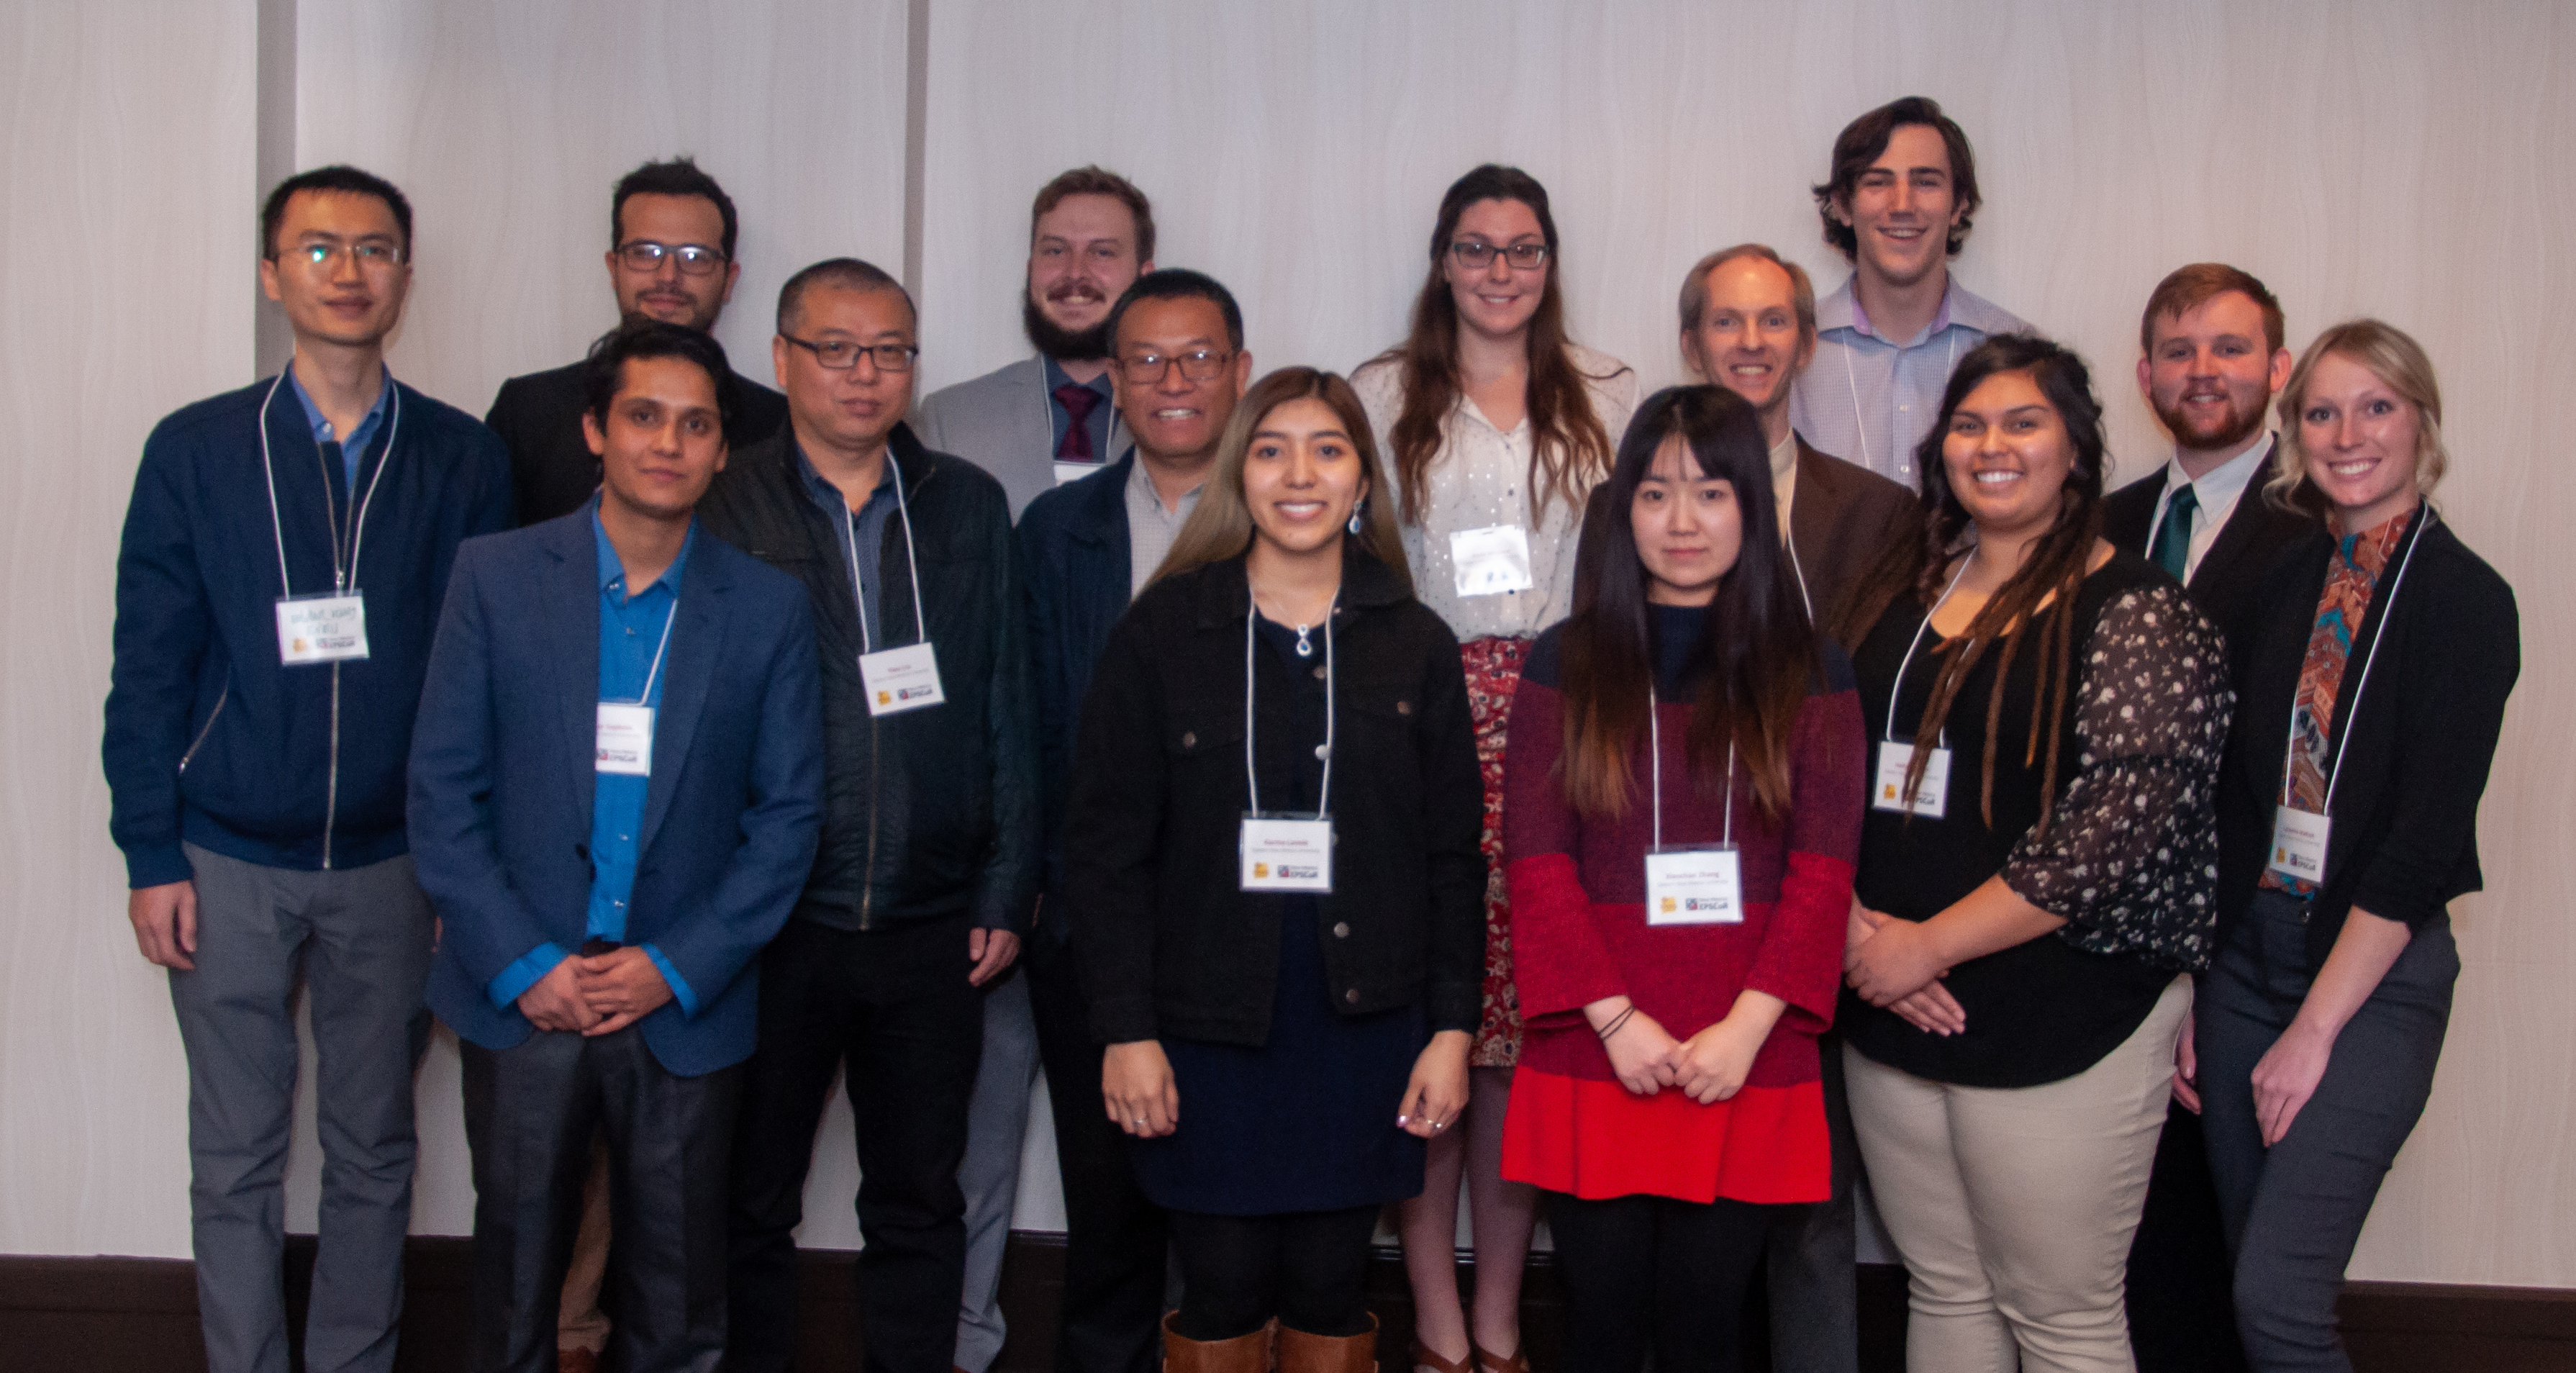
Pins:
x,y
279,580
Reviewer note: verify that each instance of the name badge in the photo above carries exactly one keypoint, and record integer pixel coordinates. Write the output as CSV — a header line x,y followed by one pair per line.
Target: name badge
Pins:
x,y
321,629
1697,884
1931,798
2299,843
1074,471
1287,855
1492,560
901,679
625,739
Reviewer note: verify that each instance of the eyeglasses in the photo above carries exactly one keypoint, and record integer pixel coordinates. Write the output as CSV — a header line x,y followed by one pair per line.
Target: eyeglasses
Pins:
x,y
370,256
1473,254
1198,364
644,255
840,354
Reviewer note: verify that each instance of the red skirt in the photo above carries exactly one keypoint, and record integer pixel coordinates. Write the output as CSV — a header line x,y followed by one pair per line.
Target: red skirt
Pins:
x,y
1593,1139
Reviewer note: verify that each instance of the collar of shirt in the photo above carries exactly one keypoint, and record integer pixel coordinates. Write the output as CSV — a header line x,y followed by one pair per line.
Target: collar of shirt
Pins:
x,y
612,569
1140,490
1959,306
2368,551
356,443
828,496
2217,490
1051,376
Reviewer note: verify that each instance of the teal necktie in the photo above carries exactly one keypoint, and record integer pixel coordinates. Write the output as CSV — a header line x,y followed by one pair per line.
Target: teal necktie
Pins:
x,y
2173,537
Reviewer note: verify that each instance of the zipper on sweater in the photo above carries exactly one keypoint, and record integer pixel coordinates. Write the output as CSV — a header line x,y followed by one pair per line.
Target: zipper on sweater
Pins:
x,y
868,875
331,792
204,730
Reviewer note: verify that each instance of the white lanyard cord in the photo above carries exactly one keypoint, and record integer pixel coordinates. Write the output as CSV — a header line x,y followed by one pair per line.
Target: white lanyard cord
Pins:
x,y
645,697
1655,752
342,577
1789,542
850,548
1917,642
1860,428
2360,684
1251,778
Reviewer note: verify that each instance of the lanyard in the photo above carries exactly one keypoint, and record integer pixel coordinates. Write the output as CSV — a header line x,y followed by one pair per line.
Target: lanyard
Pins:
x,y
1917,642
850,548
1860,429
1655,752
2361,684
1324,793
344,572
645,697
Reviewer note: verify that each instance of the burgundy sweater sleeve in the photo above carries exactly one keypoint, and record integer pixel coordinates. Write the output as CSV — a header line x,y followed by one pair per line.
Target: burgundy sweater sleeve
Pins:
x,y
1801,957
1559,962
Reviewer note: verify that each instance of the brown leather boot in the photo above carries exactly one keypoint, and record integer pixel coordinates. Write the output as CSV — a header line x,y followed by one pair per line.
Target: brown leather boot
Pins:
x,y
1300,1352
1242,1354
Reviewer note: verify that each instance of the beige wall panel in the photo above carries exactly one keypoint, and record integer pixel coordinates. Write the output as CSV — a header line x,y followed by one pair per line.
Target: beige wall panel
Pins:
x,y
126,144
2378,158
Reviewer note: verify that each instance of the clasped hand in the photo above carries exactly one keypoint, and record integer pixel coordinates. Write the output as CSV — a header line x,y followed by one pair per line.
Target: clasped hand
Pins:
x,y
1892,963
598,995
1708,1067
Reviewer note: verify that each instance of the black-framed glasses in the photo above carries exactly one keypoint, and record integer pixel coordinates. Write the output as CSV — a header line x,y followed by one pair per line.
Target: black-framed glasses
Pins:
x,y
1198,364
840,354
644,255
1475,254
370,255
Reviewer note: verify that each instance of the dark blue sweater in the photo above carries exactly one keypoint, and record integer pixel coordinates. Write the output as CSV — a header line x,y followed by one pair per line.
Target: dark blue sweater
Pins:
x,y
209,738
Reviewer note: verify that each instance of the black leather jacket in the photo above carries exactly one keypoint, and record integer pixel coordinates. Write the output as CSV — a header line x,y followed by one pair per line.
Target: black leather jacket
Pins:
x,y
932,812
1166,940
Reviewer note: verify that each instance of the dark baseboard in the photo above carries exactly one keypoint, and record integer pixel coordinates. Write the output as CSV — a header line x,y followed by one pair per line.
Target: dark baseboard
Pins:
x,y
118,1314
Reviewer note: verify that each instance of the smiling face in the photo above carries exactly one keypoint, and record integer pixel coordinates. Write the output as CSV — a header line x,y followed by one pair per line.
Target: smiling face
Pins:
x,y
1177,419
1497,300
664,292
849,410
1904,208
2208,375
1748,339
1302,475
664,439
354,295
1082,257
1689,529
2007,454
2362,442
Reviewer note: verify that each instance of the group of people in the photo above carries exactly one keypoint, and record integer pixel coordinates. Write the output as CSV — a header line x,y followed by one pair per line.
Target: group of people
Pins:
x,y
1277,758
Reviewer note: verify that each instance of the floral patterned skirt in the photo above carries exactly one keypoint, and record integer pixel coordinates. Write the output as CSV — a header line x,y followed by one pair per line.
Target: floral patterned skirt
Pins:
x,y
1493,673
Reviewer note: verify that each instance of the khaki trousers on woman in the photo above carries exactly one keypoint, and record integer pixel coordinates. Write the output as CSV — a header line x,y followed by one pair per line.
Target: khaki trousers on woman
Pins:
x,y
2013,1207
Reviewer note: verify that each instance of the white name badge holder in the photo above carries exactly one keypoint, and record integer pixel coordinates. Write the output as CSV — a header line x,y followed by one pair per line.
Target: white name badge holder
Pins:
x,y
1930,798
1280,854
897,679
2299,836
623,744
323,626
1690,884
1491,561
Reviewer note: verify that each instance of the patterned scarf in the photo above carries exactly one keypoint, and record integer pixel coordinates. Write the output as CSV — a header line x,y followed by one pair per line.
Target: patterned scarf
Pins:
x,y
2351,582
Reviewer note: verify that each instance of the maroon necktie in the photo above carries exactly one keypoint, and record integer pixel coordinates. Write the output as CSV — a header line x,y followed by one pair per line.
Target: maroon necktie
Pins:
x,y
1078,402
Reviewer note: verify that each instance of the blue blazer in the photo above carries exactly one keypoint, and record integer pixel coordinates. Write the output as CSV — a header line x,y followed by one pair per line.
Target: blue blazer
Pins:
x,y
1074,549
502,777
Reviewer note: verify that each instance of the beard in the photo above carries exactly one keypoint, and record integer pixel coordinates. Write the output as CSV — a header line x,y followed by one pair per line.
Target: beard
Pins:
x,y
2235,430
1060,343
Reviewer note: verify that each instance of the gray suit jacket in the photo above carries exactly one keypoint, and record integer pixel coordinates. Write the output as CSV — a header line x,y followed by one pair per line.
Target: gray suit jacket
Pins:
x,y
1003,422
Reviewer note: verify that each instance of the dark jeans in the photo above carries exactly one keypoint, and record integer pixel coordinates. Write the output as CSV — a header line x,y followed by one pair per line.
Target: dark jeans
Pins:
x,y
1651,1273
1811,1253
530,1115
895,1008
1116,1240
1309,1269
2294,1211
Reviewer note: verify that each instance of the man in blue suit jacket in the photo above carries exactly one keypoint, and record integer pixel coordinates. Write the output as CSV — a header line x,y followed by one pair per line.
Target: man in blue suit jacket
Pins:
x,y
616,787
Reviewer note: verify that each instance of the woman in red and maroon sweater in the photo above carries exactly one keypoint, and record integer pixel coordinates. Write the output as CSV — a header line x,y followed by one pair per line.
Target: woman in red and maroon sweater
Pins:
x,y
1680,860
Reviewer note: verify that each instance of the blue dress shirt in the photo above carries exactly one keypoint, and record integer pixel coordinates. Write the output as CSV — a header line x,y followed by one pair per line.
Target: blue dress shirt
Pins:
x,y
861,534
633,634
1869,399
355,445
1060,419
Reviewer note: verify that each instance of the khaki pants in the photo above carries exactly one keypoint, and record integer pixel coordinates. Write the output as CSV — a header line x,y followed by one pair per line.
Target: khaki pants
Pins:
x,y
581,1324
2014,1207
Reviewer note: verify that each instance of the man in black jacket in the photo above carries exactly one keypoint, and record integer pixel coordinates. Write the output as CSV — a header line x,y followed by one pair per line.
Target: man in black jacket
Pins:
x,y
670,257
929,856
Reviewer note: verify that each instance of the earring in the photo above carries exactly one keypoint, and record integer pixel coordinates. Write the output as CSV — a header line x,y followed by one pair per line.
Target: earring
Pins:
x,y
1356,511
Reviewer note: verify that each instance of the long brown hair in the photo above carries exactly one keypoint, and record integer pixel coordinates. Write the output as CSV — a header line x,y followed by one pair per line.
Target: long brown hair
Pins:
x,y
1568,445
1221,526
1756,654
2055,566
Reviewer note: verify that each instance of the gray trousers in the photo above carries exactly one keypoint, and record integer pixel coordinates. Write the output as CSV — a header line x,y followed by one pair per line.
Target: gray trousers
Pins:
x,y
997,1120
2293,1212
1812,1252
358,940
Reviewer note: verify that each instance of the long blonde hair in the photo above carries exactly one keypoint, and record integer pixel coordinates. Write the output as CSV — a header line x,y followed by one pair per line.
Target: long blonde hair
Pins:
x,y
2401,365
1221,526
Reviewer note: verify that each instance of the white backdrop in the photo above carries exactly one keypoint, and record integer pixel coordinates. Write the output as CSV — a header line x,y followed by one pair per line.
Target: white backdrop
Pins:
x,y
2361,157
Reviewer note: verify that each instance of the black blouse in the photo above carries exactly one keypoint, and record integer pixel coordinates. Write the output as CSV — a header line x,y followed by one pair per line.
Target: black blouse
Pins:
x,y
2130,858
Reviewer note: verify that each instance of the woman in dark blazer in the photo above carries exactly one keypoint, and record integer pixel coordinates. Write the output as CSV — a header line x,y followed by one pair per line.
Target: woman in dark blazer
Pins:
x,y
1275,884
2347,819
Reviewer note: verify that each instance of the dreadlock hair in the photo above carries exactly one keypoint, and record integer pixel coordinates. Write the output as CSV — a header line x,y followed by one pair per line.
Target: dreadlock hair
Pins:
x,y
1756,653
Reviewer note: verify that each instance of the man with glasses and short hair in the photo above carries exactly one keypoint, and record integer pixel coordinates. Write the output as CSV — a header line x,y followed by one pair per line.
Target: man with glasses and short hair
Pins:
x,y
929,856
670,257
1897,203
1088,547
283,563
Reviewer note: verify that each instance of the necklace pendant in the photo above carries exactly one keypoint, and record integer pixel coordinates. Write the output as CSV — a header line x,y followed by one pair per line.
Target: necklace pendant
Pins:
x,y
1305,648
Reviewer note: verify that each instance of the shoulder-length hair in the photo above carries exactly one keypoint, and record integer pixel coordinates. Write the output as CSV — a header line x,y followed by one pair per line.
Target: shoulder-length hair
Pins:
x,y
2055,567
1756,654
1221,526
2401,365
1568,445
